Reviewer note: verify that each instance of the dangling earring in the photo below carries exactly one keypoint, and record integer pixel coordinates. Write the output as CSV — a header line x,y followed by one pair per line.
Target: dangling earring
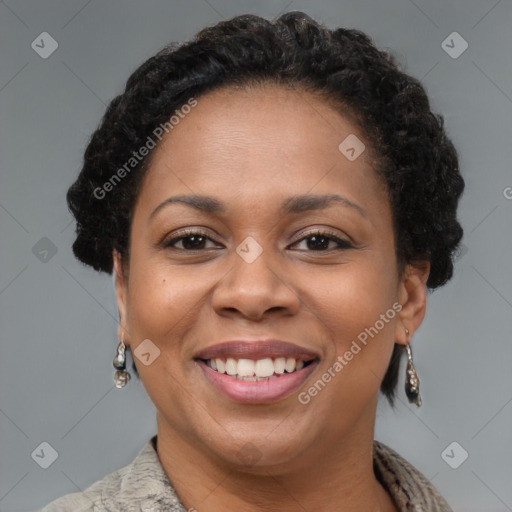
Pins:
x,y
412,382
121,375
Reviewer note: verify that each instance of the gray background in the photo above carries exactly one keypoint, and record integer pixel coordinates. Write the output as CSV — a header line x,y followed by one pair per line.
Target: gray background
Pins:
x,y
58,318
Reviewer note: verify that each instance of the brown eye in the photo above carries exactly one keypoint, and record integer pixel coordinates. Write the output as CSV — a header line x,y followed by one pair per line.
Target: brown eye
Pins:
x,y
190,240
320,240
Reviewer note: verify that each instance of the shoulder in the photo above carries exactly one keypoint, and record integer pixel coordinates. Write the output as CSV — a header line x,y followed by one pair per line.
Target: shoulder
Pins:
x,y
410,489
139,486
95,498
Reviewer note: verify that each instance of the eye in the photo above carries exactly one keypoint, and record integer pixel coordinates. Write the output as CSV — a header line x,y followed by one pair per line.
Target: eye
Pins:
x,y
194,240
319,241
191,240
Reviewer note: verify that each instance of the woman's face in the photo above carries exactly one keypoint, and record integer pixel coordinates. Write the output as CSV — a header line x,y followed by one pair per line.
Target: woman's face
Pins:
x,y
259,270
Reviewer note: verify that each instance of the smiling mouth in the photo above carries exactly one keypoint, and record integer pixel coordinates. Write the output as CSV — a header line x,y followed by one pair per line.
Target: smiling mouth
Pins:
x,y
257,370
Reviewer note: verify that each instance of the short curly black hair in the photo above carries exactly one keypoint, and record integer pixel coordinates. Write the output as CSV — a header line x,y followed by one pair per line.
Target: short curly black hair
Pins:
x,y
416,160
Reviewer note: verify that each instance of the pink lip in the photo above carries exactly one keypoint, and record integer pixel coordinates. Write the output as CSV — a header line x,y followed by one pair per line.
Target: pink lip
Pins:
x,y
257,349
266,391
261,392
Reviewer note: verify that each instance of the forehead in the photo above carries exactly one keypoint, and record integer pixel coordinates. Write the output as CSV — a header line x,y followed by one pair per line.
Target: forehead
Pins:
x,y
263,142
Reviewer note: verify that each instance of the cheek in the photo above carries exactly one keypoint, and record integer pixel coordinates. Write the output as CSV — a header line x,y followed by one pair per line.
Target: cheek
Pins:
x,y
355,296
359,311
160,309
160,299
166,302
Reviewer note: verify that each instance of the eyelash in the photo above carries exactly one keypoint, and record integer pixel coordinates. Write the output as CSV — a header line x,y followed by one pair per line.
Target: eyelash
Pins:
x,y
343,244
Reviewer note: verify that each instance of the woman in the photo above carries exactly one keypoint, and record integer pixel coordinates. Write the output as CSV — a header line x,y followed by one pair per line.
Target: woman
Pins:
x,y
274,199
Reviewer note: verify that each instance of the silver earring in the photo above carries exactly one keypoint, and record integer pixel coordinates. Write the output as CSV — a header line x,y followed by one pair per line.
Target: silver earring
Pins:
x,y
121,375
412,382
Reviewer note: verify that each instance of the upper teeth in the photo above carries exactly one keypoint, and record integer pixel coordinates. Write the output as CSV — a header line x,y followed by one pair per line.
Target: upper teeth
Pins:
x,y
260,368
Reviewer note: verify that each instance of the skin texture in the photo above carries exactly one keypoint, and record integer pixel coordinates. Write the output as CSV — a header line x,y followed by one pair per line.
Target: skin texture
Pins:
x,y
252,149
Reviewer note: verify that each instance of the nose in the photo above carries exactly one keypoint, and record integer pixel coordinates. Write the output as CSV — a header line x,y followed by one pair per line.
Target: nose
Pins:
x,y
255,290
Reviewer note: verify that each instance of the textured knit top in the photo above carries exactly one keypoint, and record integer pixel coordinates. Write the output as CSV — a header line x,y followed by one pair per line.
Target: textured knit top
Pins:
x,y
143,486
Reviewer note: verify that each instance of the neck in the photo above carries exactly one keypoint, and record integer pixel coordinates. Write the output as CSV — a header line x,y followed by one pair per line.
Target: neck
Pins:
x,y
330,476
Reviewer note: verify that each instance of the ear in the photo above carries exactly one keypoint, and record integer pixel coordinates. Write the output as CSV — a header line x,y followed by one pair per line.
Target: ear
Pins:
x,y
412,295
121,287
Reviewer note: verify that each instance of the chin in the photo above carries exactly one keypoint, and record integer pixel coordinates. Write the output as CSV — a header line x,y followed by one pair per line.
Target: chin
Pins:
x,y
258,445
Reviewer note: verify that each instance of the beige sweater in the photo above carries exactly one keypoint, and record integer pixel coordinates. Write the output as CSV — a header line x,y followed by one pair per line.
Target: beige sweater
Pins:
x,y
143,486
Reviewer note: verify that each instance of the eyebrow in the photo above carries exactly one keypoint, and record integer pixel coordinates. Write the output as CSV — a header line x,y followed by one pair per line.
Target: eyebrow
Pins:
x,y
290,206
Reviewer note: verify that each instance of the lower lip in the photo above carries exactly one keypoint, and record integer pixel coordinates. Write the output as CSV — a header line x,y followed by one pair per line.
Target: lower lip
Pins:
x,y
260,392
